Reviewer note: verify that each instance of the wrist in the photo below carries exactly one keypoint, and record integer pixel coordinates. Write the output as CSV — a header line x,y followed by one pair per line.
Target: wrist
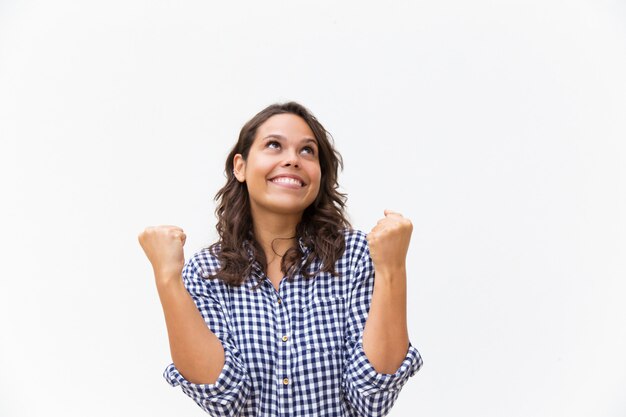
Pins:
x,y
171,290
167,278
390,273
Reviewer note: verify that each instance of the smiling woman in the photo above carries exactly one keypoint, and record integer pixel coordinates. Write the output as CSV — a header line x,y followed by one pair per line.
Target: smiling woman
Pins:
x,y
282,315
279,146
282,171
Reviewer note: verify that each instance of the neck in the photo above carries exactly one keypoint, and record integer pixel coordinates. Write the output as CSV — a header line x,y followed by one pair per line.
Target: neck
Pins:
x,y
276,234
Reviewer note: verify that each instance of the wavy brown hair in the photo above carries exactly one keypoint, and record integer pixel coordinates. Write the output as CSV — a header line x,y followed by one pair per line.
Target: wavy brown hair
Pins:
x,y
321,229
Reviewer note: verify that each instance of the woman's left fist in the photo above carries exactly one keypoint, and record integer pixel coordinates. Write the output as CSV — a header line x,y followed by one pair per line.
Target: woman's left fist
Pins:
x,y
389,242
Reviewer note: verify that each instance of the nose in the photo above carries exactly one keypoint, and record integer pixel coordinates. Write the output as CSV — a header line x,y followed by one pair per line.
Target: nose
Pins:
x,y
292,160
294,164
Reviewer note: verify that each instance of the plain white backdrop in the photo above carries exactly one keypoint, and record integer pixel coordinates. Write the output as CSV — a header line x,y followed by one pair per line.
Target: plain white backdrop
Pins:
x,y
499,128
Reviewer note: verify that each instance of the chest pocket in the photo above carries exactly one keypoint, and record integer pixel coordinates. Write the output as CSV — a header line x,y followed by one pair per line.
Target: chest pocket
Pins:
x,y
323,323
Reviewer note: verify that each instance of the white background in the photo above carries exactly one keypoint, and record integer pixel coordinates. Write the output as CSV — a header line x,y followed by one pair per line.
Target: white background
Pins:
x,y
499,128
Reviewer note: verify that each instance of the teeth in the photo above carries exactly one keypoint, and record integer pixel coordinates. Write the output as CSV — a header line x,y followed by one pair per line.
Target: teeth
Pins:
x,y
286,180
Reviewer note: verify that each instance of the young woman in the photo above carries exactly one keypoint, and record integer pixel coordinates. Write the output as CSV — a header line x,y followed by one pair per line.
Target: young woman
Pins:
x,y
291,312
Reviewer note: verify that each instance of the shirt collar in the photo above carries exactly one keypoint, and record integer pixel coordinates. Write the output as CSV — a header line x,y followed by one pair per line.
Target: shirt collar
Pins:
x,y
247,244
303,247
249,248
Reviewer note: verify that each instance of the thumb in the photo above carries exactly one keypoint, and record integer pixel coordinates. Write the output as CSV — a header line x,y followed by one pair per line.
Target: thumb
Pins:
x,y
388,212
183,238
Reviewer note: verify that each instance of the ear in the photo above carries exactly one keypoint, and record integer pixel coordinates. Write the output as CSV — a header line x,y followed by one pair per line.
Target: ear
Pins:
x,y
239,168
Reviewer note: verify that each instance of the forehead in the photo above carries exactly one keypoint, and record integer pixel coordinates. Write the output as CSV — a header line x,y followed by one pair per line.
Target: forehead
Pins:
x,y
289,125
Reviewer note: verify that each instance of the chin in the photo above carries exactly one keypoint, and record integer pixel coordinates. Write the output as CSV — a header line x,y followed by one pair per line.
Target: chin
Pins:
x,y
289,208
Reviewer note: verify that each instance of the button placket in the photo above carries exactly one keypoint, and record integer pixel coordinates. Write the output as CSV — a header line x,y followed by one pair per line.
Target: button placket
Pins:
x,y
283,357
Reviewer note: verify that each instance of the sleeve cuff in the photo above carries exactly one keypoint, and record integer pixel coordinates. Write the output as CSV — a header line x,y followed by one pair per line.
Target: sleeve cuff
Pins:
x,y
228,387
367,381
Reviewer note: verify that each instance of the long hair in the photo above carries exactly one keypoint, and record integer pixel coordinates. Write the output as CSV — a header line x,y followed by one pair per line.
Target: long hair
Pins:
x,y
321,229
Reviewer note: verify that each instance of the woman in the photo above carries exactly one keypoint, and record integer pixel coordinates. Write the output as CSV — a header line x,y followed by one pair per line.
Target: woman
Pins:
x,y
283,316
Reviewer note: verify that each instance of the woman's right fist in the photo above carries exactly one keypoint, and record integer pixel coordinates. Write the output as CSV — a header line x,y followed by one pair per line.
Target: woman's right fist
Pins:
x,y
163,246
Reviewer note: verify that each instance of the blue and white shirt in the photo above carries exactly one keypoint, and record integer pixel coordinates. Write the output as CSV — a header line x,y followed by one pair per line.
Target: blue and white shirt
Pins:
x,y
295,351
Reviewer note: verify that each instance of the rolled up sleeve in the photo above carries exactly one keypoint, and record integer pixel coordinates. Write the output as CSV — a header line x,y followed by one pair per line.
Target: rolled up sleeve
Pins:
x,y
225,397
367,382
231,390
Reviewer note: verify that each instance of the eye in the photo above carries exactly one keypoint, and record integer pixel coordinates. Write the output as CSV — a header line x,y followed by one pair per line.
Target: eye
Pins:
x,y
309,150
272,144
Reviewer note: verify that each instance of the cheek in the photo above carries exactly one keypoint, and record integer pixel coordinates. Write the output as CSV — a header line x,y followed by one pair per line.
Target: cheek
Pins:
x,y
315,173
259,170
317,181
318,175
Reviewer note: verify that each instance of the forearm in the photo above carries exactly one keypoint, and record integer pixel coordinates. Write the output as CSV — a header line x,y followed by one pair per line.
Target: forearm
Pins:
x,y
385,337
196,352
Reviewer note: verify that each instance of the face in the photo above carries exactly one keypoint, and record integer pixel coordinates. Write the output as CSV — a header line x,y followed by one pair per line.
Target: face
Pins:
x,y
282,171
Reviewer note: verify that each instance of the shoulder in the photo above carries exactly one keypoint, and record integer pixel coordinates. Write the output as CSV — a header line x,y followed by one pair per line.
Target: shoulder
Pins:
x,y
356,263
356,242
355,239
199,267
205,260
357,250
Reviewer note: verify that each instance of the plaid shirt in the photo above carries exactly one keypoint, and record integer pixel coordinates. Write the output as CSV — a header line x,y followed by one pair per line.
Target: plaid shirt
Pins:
x,y
296,351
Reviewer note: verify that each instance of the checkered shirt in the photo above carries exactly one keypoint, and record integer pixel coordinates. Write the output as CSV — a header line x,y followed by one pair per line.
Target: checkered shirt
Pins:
x,y
295,351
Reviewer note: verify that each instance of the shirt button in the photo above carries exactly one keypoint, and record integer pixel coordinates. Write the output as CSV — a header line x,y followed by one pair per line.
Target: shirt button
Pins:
x,y
279,301
285,381
285,338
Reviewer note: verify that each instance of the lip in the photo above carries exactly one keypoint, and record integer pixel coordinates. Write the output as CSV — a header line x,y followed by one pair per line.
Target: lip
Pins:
x,y
292,176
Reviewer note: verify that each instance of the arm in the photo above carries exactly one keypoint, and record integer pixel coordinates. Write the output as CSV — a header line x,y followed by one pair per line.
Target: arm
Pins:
x,y
206,365
196,352
385,337
231,389
373,380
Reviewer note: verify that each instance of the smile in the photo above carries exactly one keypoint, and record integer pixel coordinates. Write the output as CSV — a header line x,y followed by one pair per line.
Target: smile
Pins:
x,y
289,181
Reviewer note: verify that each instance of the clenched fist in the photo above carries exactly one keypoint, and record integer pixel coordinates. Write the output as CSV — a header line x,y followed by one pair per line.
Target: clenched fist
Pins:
x,y
389,242
163,246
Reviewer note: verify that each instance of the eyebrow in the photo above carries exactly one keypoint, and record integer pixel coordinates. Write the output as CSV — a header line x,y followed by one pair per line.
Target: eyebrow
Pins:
x,y
281,137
